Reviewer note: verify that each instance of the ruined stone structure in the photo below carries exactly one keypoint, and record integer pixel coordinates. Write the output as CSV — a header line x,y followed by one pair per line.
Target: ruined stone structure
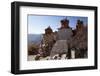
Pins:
x,y
62,44
79,41
63,35
65,39
48,40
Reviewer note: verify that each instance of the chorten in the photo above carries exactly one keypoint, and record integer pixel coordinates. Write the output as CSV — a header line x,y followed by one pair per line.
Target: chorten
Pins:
x,y
64,34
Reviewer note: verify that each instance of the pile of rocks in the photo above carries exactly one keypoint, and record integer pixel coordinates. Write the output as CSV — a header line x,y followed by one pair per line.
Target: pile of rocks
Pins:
x,y
55,57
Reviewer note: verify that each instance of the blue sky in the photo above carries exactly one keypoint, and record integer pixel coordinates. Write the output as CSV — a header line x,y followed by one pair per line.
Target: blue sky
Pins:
x,y
38,23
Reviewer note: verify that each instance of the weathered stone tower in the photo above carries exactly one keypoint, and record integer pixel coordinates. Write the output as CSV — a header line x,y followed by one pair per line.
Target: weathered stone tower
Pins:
x,y
64,33
79,25
48,40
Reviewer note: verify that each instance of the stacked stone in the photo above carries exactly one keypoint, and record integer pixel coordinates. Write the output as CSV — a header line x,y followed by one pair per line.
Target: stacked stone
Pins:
x,y
63,35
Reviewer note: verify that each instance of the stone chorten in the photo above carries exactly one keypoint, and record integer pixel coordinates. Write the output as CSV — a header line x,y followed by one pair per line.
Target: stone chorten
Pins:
x,y
64,33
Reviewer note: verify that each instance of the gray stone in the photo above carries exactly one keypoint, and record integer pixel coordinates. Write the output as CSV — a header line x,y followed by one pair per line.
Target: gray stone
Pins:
x,y
64,34
59,47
